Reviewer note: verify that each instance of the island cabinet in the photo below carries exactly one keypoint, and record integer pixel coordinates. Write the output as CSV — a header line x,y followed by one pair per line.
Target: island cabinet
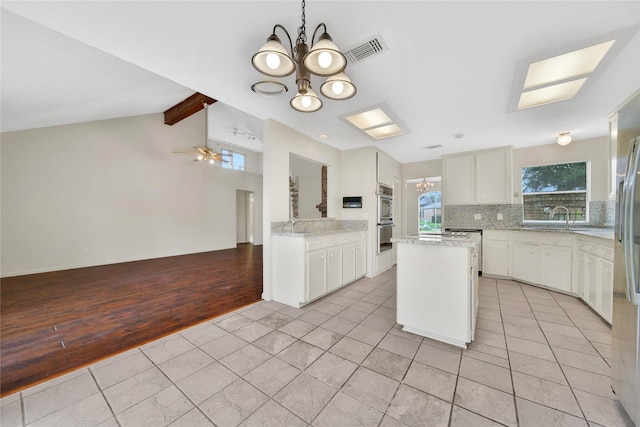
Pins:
x,y
595,274
480,177
496,253
543,259
437,289
308,267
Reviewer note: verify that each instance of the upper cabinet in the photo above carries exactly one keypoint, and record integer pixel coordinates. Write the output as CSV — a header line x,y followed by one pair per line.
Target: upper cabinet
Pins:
x,y
479,177
387,168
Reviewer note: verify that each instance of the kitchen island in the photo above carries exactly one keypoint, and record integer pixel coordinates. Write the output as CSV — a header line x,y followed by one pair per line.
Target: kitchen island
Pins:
x,y
437,279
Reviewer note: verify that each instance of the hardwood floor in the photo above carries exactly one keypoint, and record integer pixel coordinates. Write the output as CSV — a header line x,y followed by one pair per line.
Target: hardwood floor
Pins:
x,y
54,322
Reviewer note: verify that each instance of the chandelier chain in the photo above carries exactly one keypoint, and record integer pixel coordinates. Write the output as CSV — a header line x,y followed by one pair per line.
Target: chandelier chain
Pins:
x,y
302,34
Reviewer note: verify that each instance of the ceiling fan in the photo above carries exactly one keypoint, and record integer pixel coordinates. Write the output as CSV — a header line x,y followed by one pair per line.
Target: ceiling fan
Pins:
x,y
205,153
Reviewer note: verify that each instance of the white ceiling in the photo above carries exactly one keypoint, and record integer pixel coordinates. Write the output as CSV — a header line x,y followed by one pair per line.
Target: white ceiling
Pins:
x,y
449,68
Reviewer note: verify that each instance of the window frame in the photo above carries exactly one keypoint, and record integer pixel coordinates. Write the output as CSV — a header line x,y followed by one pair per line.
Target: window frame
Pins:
x,y
231,164
586,192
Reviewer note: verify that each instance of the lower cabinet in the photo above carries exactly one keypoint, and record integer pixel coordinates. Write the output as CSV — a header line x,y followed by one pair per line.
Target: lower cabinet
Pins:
x,y
542,259
316,273
595,276
547,259
495,250
306,268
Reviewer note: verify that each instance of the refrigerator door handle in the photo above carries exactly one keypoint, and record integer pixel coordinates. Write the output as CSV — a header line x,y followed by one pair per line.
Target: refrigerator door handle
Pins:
x,y
628,230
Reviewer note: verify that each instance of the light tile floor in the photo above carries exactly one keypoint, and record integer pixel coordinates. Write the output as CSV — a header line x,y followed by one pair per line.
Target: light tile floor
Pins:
x,y
540,358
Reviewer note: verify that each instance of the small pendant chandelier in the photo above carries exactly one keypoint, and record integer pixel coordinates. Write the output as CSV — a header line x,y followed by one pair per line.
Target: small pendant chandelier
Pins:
x,y
324,59
424,186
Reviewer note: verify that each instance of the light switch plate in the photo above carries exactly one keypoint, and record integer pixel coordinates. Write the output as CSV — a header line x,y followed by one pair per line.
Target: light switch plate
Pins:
x,y
477,216
500,216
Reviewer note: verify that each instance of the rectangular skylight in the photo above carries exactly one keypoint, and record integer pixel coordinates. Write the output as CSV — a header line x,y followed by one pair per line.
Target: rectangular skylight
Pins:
x,y
569,65
383,132
369,119
550,94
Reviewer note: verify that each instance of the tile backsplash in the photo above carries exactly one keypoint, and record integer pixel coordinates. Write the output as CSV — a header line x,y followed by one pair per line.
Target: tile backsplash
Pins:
x,y
601,214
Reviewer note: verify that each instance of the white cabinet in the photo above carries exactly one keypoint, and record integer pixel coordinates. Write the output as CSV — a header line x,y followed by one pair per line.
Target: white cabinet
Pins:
x,y
386,168
316,274
556,267
459,179
480,177
595,275
543,259
493,176
526,261
348,262
361,256
495,253
305,269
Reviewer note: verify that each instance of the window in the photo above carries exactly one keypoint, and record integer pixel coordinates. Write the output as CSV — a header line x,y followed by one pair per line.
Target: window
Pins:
x,y
430,212
233,160
545,187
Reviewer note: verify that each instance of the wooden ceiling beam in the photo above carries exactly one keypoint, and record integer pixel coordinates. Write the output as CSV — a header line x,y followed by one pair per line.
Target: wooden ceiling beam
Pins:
x,y
185,108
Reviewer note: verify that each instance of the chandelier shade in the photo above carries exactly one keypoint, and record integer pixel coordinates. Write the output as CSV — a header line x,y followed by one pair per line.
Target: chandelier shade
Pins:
x,y
324,59
338,87
424,186
306,102
273,60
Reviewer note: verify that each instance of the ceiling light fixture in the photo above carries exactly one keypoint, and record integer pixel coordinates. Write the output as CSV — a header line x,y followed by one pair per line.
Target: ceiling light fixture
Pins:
x,y
324,59
564,138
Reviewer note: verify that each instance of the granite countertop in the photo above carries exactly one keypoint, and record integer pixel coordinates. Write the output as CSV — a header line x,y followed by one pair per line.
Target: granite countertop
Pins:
x,y
317,227
604,233
311,233
440,240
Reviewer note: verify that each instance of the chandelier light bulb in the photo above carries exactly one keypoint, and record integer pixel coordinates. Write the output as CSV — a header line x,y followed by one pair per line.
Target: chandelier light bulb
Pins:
x,y
324,59
273,61
337,87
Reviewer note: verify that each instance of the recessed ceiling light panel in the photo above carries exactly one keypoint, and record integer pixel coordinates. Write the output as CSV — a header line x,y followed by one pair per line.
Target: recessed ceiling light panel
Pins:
x,y
550,94
567,66
369,119
386,131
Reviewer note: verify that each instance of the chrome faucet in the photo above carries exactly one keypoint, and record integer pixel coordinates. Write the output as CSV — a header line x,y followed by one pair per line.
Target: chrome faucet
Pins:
x,y
553,212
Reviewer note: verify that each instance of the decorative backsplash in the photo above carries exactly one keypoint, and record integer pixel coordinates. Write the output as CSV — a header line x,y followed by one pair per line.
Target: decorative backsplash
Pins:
x,y
601,214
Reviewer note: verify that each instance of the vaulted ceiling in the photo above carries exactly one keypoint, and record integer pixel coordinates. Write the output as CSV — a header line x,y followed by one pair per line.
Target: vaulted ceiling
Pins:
x,y
449,67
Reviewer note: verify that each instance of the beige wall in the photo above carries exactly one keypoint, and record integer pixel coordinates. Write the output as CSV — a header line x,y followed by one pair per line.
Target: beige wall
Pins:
x,y
111,191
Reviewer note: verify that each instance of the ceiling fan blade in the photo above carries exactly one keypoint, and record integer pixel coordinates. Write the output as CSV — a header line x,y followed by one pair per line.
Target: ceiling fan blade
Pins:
x,y
184,152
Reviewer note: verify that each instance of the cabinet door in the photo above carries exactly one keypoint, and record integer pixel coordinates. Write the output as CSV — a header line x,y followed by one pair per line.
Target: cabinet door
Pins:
x,y
458,180
525,262
605,284
556,267
592,281
493,176
334,267
361,258
581,282
383,168
495,257
348,263
316,274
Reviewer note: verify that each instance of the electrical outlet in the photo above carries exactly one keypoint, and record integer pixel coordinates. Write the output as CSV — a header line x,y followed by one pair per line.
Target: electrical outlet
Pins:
x,y
499,216
477,216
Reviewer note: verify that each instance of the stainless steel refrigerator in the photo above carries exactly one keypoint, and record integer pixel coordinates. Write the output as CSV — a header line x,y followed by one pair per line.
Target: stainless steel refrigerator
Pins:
x,y
625,358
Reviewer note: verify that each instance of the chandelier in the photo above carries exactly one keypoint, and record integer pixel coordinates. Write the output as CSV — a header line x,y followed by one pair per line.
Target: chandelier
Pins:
x,y
424,186
324,59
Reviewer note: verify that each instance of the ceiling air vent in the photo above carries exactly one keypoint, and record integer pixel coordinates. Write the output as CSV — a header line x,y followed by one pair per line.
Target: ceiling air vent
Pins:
x,y
366,49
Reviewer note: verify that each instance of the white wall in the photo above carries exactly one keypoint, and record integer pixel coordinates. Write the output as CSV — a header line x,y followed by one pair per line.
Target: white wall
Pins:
x,y
279,142
111,191
242,216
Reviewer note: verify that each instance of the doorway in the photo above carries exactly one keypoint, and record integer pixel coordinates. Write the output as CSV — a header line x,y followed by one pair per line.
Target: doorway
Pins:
x,y
245,217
